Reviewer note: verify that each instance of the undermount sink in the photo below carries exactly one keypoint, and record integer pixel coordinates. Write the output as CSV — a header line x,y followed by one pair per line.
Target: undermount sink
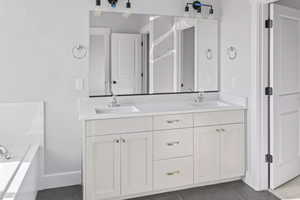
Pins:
x,y
211,104
117,110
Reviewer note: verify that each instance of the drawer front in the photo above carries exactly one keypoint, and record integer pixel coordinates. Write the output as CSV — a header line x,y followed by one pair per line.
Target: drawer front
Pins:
x,y
173,143
216,118
124,125
173,173
173,121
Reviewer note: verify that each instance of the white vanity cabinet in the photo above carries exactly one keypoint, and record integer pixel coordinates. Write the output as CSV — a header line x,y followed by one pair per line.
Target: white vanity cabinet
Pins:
x,y
136,163
118,165
219,144
102,167
136,156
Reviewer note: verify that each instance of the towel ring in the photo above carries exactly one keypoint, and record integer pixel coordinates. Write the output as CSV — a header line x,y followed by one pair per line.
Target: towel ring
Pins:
x,y
232,53
79,51
209,54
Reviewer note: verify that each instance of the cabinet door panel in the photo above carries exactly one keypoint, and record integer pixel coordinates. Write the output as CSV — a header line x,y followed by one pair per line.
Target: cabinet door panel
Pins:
x,y
232,151
136,163
207,154
103,167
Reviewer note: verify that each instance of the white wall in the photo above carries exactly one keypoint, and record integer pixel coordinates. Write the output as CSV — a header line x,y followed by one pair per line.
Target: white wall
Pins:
x,y
97,66
238,77
188,59
118,23
236,31
36,64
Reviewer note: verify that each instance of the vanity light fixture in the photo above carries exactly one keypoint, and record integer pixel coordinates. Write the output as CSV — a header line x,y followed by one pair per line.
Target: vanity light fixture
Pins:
x,y
128,4
113,3
197,5
98,3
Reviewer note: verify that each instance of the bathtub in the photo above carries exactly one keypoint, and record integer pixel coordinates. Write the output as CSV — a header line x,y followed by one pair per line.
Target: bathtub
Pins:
x,y
19,175
22,132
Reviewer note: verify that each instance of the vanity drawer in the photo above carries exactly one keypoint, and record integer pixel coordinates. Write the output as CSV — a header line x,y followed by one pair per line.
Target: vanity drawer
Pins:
x,y
123,125
217,118
172,121
173,173
173,143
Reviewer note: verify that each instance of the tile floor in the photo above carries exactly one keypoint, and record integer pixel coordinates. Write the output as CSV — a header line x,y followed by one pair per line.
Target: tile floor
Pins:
x,y
228,191
289,191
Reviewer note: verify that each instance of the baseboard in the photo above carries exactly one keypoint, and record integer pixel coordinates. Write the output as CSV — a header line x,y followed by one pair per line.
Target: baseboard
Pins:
x,y
60,180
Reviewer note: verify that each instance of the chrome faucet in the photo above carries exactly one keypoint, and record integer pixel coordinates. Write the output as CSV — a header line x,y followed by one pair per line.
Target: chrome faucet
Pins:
x,y
4,153
199,98
114,102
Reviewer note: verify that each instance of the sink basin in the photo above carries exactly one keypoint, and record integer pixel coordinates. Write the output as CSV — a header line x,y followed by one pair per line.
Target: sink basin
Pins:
x,y
209,104
117,110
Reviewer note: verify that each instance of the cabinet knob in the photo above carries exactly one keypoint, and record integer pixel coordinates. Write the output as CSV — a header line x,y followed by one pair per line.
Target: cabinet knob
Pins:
x,y
123,140
117,141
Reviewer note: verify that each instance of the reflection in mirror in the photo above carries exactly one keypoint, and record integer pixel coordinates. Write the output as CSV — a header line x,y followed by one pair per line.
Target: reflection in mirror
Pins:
x,y
144,54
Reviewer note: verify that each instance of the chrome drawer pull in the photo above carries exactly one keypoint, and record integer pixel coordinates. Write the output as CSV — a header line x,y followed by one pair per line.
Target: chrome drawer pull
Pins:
x,y
173,173
173,143
173,121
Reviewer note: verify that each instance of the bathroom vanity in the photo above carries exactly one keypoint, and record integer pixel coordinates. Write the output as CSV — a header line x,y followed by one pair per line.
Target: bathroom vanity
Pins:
x,y
155,139
143,149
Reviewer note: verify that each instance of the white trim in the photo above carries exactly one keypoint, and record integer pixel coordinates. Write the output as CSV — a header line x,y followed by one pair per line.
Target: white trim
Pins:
x,y
99,31
106,32
60,180
257,175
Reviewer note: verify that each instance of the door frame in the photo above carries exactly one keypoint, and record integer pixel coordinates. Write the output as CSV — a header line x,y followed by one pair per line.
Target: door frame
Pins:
x,y
260,36
105,32
182,24
257,175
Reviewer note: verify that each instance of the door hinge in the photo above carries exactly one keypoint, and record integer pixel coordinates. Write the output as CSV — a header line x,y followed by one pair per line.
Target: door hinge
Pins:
x,y
269,91
269,23
269,158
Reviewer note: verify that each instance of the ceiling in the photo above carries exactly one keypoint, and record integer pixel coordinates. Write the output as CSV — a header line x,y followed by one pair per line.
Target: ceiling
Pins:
x,y
290,3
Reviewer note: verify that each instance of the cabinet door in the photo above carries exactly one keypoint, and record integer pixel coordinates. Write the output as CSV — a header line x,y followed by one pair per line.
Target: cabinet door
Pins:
x,y
103,167
136,163
207,154
232,151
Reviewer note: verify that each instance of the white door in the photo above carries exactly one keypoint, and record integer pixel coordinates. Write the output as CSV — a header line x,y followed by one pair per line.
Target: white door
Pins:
x,y
136,163
232,148
207,154
285,55
126,63
103,167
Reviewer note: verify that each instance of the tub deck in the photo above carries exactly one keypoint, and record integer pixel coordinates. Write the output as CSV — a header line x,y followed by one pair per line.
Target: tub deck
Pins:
x,y
9,168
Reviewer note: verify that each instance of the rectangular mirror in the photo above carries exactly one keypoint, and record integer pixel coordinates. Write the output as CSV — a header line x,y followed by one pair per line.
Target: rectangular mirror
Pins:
x,y
145,54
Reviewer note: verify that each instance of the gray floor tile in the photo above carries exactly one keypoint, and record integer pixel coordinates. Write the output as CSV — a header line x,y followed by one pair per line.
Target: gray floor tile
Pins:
x,y
228,191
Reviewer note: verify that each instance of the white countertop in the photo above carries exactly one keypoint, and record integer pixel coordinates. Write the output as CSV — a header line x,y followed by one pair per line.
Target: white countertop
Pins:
x,y
88,112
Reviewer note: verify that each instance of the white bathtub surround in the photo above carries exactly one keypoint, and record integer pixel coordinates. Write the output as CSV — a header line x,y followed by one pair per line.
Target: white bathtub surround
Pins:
x,y
22,132
161,145
9,167
25,183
